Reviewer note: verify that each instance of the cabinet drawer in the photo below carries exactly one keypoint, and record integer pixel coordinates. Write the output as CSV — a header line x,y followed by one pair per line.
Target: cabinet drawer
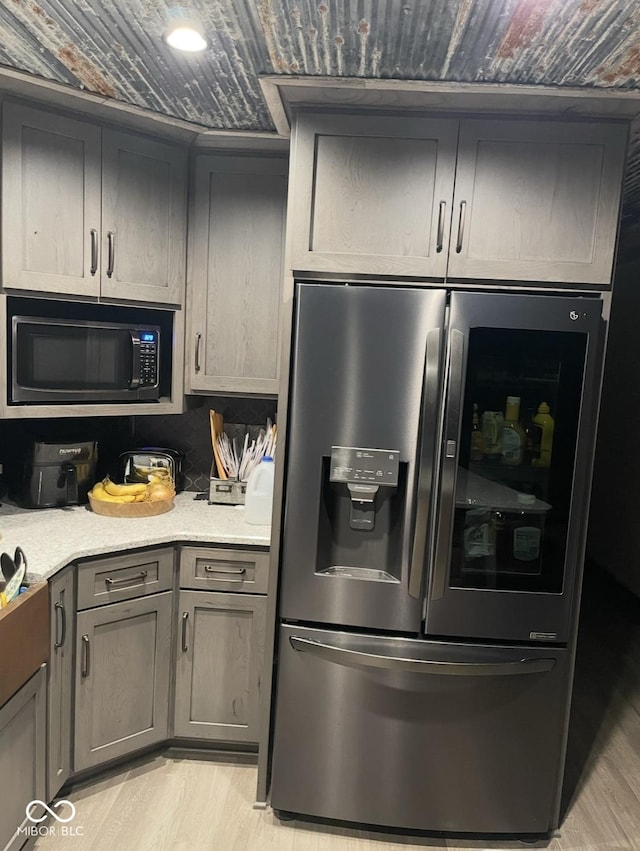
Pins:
x,y
124,577
224,570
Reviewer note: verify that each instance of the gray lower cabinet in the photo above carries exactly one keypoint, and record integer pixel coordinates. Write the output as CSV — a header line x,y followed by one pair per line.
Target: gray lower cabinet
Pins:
x,y
123,662
60,685
219,665
22,758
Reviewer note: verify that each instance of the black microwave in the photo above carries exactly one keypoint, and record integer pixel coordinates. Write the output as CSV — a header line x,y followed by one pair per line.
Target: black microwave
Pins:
x,y
78,360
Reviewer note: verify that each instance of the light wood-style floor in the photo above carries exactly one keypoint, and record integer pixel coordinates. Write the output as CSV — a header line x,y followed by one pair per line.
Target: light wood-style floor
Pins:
x,y
197,804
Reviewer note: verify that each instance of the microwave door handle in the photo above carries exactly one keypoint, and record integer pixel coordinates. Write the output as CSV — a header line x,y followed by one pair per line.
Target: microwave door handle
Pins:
x,y
136,361
446,509
425,461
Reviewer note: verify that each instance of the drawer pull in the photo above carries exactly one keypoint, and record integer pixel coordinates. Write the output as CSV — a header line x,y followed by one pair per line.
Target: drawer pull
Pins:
x,y
226,572
185,618
130,580
59,607
86,656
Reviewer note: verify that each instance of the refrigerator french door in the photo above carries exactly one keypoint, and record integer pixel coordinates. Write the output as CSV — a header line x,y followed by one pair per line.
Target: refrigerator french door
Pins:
x,y
426,590
509,532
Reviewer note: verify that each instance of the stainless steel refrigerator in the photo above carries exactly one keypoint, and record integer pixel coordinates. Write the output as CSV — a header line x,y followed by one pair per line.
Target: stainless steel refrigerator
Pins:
x,y
429,578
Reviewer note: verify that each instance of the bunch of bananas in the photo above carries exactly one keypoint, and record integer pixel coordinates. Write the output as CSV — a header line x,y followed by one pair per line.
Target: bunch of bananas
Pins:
x,y
158,487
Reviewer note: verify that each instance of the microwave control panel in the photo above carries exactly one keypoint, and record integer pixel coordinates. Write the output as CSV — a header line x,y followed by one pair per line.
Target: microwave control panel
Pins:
x,y
148,346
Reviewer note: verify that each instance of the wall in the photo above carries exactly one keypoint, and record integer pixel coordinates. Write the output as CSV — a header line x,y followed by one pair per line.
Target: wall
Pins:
x,y
614,527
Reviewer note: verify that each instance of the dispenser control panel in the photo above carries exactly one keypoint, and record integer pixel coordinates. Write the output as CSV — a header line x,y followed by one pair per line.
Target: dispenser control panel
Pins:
x,y
364,466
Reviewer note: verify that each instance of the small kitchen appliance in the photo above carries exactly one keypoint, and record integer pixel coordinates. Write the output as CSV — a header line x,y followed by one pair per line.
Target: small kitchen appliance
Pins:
x,y
136,464
58,474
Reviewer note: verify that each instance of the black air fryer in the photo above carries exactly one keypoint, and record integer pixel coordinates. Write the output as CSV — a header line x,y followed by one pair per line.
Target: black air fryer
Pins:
x,y
58,474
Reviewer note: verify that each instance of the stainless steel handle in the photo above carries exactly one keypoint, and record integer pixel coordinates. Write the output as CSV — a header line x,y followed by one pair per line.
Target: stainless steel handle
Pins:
x,y
226,572
360,659
461,218
440,233
425,460
86,656
94,251
444,525
111,252
59,607
129,580
185,618
197,353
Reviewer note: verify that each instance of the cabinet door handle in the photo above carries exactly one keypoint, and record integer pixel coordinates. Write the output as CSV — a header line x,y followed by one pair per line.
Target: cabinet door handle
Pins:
x,y
197,353
185,618
94,251
463,211
440,237
59,607
86,656
130,580
111,250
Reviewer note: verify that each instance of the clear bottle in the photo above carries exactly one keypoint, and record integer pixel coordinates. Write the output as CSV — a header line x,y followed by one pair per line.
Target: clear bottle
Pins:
x,y
544,419
512,434
526,535
258,505
476,451
492,426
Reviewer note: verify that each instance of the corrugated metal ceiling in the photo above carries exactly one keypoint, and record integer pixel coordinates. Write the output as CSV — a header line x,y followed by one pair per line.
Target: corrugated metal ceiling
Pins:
x,y
114,48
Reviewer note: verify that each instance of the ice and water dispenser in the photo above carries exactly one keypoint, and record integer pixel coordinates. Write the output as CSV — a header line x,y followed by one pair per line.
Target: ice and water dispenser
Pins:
x,y
361,512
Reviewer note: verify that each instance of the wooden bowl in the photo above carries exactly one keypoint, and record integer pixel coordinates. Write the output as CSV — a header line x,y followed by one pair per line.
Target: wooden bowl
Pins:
x,y
130,509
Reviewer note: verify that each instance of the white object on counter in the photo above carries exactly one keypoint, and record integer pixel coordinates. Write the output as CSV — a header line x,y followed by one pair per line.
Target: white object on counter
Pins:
x,y
258,503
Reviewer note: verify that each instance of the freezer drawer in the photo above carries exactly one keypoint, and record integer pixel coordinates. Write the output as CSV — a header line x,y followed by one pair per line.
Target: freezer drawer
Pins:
x,y
418,734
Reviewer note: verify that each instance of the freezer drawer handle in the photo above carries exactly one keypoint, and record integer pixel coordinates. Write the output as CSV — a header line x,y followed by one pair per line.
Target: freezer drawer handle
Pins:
x,y
358,659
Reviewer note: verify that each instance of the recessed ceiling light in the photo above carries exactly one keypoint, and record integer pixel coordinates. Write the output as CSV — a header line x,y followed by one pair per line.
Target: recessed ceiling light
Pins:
x,y
185,33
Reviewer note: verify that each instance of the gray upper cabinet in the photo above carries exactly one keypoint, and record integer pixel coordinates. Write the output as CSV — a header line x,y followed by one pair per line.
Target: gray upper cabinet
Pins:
x,y
91,212
50,202
143,219
537,201
372,195
235,274
448,199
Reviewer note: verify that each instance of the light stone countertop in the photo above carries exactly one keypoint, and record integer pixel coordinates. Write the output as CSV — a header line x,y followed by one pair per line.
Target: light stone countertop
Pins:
x,y
53,537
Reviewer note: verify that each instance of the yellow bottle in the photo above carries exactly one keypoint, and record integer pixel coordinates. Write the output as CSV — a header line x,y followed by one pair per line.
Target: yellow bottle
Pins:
x,y
512,433
544,419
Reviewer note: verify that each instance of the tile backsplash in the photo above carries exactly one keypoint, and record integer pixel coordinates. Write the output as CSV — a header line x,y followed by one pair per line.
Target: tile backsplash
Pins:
x,y
189,433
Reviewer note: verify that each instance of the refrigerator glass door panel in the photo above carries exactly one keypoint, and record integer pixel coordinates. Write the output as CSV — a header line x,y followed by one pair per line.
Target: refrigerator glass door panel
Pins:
x,y
418,734
518,438
365,385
